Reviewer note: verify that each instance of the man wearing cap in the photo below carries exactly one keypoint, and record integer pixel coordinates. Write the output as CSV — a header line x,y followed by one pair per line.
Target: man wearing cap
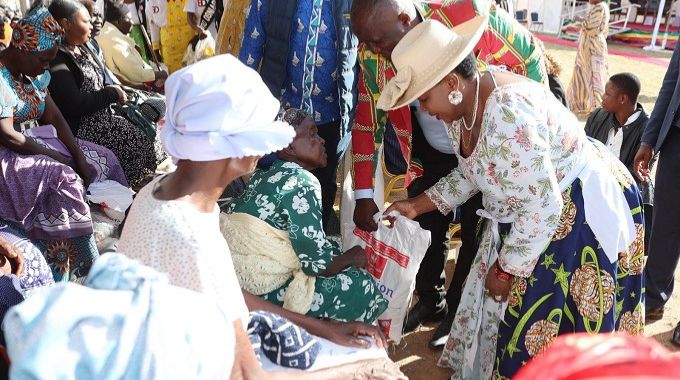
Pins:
x,y
306,55
380,25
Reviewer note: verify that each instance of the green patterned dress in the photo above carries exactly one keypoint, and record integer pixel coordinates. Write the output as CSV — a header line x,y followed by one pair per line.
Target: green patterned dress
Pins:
x,y
288,197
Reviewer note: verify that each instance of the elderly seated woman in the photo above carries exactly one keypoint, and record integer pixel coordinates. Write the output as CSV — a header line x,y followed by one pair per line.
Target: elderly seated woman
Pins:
x,y
278,243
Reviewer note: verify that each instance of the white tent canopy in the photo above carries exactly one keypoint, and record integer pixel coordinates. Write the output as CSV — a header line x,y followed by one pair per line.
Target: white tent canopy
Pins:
x,y
549,12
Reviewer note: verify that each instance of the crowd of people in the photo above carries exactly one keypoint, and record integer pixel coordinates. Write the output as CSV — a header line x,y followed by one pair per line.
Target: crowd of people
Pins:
x,y
231,243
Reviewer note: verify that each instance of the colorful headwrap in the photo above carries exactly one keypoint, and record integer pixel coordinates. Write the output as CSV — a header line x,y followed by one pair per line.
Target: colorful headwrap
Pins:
x,y
37,31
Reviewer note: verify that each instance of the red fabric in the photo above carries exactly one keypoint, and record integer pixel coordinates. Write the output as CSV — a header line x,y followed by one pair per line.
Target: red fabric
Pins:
x,y
603,357
494,48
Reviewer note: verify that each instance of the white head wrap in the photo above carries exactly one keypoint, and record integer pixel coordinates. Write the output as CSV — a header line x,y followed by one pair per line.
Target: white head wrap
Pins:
x,y
219,108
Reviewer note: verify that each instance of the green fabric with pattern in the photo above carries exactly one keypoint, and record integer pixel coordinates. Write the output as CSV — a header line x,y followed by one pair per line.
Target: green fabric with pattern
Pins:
x,y
288,198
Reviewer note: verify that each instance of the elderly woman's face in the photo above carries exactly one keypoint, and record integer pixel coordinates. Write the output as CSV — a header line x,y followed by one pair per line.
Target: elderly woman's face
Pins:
x,y
33,64
309,147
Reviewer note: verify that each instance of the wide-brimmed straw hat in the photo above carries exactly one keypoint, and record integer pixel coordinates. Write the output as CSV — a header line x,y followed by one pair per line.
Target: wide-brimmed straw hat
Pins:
x,y
425,55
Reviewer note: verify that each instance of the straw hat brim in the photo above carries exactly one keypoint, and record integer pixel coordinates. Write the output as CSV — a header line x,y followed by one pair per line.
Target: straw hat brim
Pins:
x,y
418,81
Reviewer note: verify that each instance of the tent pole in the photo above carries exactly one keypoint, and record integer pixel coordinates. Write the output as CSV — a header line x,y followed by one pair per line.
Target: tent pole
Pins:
x,y
657,24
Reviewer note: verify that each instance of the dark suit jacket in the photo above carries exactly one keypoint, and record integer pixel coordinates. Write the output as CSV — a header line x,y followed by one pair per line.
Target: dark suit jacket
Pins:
x,y
666,107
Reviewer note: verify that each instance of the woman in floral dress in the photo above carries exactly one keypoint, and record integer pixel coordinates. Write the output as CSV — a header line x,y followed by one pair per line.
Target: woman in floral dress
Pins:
x,y
288,197
561,249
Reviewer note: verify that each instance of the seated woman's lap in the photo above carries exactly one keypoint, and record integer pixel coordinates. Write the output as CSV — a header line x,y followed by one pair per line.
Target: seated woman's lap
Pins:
x,y
351,295
44,201
101,159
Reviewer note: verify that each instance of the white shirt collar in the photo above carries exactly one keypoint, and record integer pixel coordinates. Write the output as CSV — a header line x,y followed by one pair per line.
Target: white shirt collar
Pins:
x,y
633,117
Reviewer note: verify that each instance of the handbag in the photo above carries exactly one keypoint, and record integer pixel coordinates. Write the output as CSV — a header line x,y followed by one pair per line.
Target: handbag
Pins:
x,y
142,109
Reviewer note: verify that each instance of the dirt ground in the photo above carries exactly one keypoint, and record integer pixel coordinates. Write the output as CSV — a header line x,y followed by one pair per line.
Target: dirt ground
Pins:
x,y
414,356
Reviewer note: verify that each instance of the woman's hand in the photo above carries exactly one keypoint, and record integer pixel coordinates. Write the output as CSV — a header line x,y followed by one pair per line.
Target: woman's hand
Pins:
x,y
53,154
83,170
498,283
122,96
406,208
352,334
411,207
357,257
11,261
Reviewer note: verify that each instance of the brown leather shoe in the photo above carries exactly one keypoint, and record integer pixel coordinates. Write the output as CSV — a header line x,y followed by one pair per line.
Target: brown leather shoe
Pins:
x,y
653,314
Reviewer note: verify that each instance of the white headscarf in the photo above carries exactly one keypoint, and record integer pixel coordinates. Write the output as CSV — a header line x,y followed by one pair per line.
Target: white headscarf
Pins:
x,y
220,108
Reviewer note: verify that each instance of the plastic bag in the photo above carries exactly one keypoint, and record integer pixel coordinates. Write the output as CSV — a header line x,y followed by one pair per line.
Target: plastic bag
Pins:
x,y
394,257
394,254
200,49
113,198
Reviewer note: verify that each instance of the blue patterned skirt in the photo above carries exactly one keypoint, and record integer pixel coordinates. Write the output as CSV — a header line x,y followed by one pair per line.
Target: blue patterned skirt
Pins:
x,y
574,288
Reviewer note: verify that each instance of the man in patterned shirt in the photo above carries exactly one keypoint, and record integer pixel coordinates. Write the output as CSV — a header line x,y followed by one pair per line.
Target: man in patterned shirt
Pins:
x,y
380,25
306,55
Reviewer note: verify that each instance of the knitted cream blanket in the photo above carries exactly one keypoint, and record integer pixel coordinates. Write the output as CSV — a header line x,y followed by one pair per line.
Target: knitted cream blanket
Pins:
x,y
264,260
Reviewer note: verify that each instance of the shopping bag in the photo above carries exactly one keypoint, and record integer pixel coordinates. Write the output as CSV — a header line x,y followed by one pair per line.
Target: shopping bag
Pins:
x,y
394,257
199,49
113,198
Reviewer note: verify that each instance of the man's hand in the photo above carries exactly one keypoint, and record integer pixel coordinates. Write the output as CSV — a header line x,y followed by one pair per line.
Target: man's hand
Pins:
x,y
349,334
363,214
641,163
11,261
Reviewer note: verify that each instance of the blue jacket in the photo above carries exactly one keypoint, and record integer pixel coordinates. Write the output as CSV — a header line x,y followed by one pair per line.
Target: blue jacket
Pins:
x,y
279,24
667,106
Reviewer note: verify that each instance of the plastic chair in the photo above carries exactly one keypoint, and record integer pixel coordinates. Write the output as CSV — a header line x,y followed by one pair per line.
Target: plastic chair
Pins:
x,y
536,24
392,184
521,16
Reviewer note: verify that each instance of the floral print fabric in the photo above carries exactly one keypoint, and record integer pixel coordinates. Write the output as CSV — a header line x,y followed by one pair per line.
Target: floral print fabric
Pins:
x,y
288,198
526,147
564,282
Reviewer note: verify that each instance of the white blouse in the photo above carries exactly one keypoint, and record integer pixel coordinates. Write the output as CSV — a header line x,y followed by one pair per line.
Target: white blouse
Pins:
x,y
175,238
530,149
